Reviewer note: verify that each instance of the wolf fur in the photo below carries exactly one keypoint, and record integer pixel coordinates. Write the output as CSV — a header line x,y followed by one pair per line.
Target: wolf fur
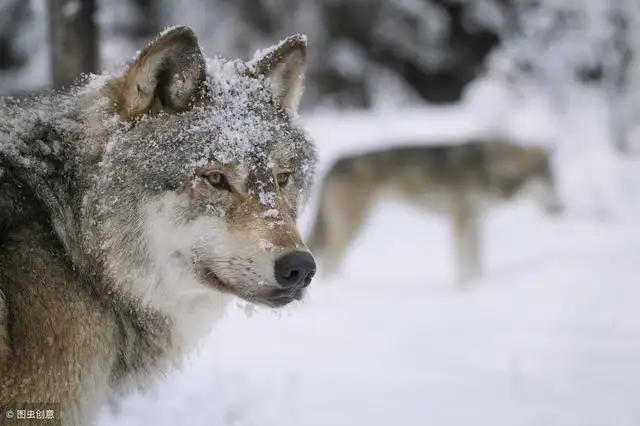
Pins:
x,y
134,206
459,181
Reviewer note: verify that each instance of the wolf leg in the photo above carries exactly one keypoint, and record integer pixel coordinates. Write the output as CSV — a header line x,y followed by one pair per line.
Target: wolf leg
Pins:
x,y
344,210
466,243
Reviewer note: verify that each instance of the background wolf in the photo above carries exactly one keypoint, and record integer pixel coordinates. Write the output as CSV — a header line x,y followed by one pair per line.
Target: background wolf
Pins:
x,y
459,181
132,204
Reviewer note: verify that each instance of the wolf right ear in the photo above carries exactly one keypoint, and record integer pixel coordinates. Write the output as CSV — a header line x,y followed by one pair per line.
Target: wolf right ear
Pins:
x,y
166,76
284,65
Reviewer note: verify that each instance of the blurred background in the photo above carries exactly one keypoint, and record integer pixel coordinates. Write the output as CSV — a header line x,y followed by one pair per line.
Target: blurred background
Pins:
x,y
549,336
365,54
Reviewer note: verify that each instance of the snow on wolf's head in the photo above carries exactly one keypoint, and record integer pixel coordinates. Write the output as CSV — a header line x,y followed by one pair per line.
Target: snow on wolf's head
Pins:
x,y
204,173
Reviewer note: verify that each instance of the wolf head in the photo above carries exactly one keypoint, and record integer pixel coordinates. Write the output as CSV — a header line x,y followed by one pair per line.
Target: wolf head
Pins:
x,y
542,185
528,171
203,173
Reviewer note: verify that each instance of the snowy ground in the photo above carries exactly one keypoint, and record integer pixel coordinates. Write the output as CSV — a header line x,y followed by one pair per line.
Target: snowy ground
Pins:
x,y
550,336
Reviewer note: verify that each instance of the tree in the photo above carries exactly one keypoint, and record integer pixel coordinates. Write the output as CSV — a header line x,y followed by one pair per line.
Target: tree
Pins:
x,y
12,15
567,46
74,40
428,50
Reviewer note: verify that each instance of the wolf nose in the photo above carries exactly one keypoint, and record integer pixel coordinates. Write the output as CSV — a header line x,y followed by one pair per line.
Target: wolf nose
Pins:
x,y
295,269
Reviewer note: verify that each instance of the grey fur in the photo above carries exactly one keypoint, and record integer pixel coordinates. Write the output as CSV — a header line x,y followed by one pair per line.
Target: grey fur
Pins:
x,y
459,181
110,230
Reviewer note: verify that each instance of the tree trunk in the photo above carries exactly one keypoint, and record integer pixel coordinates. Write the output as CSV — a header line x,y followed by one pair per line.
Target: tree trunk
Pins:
x,y
147,23
74,40
12,17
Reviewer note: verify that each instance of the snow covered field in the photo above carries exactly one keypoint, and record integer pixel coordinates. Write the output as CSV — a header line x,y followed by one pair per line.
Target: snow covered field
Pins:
x,y
550,336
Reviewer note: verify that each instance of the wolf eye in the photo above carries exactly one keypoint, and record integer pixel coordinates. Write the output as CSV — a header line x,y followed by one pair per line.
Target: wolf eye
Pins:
x,y
218,181
283,179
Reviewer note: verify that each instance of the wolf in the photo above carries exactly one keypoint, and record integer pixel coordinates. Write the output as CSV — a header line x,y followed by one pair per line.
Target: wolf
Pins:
x,y
135,205
460,181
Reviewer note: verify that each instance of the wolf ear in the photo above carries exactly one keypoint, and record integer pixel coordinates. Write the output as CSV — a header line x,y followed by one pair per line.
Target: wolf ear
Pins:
x,y
166,76
284,65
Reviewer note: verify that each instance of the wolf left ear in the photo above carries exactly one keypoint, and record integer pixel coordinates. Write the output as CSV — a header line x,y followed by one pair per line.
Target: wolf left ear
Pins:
x,y
166,76
283,65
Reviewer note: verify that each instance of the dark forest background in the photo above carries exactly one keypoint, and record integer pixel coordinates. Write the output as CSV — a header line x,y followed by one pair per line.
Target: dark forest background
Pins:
x,y
363,53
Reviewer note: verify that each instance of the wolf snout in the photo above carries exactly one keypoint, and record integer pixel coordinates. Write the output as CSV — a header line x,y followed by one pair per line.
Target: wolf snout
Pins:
x,y
295,269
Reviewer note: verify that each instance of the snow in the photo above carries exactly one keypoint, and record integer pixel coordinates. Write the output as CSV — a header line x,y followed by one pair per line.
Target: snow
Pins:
x,y
260,54
415,29
70,9
549,336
